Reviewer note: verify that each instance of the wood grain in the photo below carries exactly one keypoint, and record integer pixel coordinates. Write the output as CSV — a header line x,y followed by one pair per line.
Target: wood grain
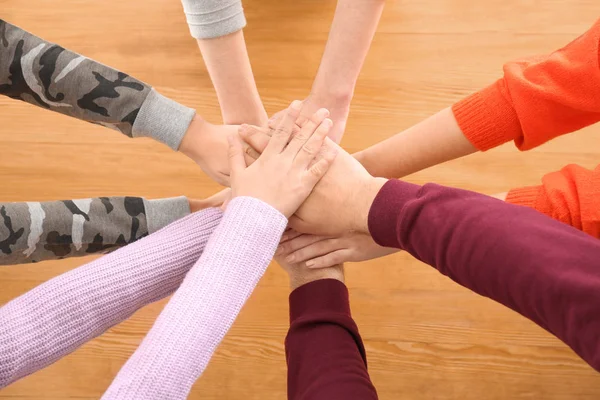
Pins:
x,y
426,337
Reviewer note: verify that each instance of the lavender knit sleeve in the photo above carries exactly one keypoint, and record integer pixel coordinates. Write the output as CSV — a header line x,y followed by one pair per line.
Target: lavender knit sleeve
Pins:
x,y
180,344
55,318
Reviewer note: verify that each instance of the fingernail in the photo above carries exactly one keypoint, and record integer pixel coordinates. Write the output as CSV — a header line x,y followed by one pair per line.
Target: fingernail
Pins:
x,y
327,123
310,263
296,105
290,258
324,112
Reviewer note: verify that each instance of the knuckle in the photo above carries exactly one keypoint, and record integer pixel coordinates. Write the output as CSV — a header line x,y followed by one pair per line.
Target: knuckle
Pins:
x,y
316,170
308,149
280,131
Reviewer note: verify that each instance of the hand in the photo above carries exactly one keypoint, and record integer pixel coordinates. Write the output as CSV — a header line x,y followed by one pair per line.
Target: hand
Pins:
x,y
340,202
300,275
339,111
322,252
284,174
218,199
207,145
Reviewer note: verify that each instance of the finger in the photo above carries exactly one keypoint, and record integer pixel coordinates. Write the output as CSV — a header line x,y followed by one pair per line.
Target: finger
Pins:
x,y
283,132
295,244
320,168
217,199
312,250
225,203
274,120
304,117
236,156
273,124
289,235
329,260
306,132
312,147
250,155
299,225
257,138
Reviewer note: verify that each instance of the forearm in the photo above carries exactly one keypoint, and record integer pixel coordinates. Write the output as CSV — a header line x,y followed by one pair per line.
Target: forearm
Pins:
x,y
435,140
324,351
541,268
228,65
350,37
39,231
537,99
55,318
49,76
180,344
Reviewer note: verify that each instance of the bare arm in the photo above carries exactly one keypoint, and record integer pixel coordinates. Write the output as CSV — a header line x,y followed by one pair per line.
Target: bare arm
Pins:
x,y
435,140
537,99
217,26
350,37
228,65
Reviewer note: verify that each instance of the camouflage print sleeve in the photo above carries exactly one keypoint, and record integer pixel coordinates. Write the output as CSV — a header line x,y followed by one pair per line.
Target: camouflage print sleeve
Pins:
x,y
49,76
34,231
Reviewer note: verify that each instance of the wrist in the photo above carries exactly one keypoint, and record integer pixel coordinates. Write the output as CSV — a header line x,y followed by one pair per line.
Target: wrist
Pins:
x,y
191,144
300,276
366,195
332,98
362,158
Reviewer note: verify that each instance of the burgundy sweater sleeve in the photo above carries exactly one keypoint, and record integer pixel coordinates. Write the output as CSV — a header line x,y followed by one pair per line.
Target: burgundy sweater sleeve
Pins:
x,y
544,269
325,355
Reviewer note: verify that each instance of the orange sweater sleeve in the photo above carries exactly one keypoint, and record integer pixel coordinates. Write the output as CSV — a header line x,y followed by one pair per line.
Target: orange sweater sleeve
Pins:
x,y
571,195
538,98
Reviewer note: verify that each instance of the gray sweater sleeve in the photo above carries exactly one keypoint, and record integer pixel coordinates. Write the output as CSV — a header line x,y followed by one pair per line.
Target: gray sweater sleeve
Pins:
x,y
46,75
213,18
38,231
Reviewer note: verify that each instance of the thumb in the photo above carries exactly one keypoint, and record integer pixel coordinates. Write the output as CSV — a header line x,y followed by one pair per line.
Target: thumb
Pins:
x,y
237,164
257,138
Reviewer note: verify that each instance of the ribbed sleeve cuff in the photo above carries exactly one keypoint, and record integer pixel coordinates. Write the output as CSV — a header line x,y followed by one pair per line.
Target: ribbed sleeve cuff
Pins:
x,y
384,215
161,212
486,118
525,196
163,119
209,19
317,297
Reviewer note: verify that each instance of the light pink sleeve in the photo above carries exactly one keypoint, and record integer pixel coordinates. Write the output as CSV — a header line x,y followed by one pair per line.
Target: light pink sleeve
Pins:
x,y
180,344
55,318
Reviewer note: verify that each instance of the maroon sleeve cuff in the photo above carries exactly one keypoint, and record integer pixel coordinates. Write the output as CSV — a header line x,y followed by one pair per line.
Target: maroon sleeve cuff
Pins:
x,y
324,295
384,215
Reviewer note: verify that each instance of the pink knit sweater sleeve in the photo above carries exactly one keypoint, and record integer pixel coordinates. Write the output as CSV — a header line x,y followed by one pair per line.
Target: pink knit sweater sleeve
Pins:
x,y
55,318
180,344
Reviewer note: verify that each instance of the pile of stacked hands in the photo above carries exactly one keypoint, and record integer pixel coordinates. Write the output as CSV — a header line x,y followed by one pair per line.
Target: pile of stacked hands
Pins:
x,y
533,249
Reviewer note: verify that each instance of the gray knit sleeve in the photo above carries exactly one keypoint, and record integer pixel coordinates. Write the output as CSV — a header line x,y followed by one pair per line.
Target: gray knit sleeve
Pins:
x,y
48,76
213,18
38,231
